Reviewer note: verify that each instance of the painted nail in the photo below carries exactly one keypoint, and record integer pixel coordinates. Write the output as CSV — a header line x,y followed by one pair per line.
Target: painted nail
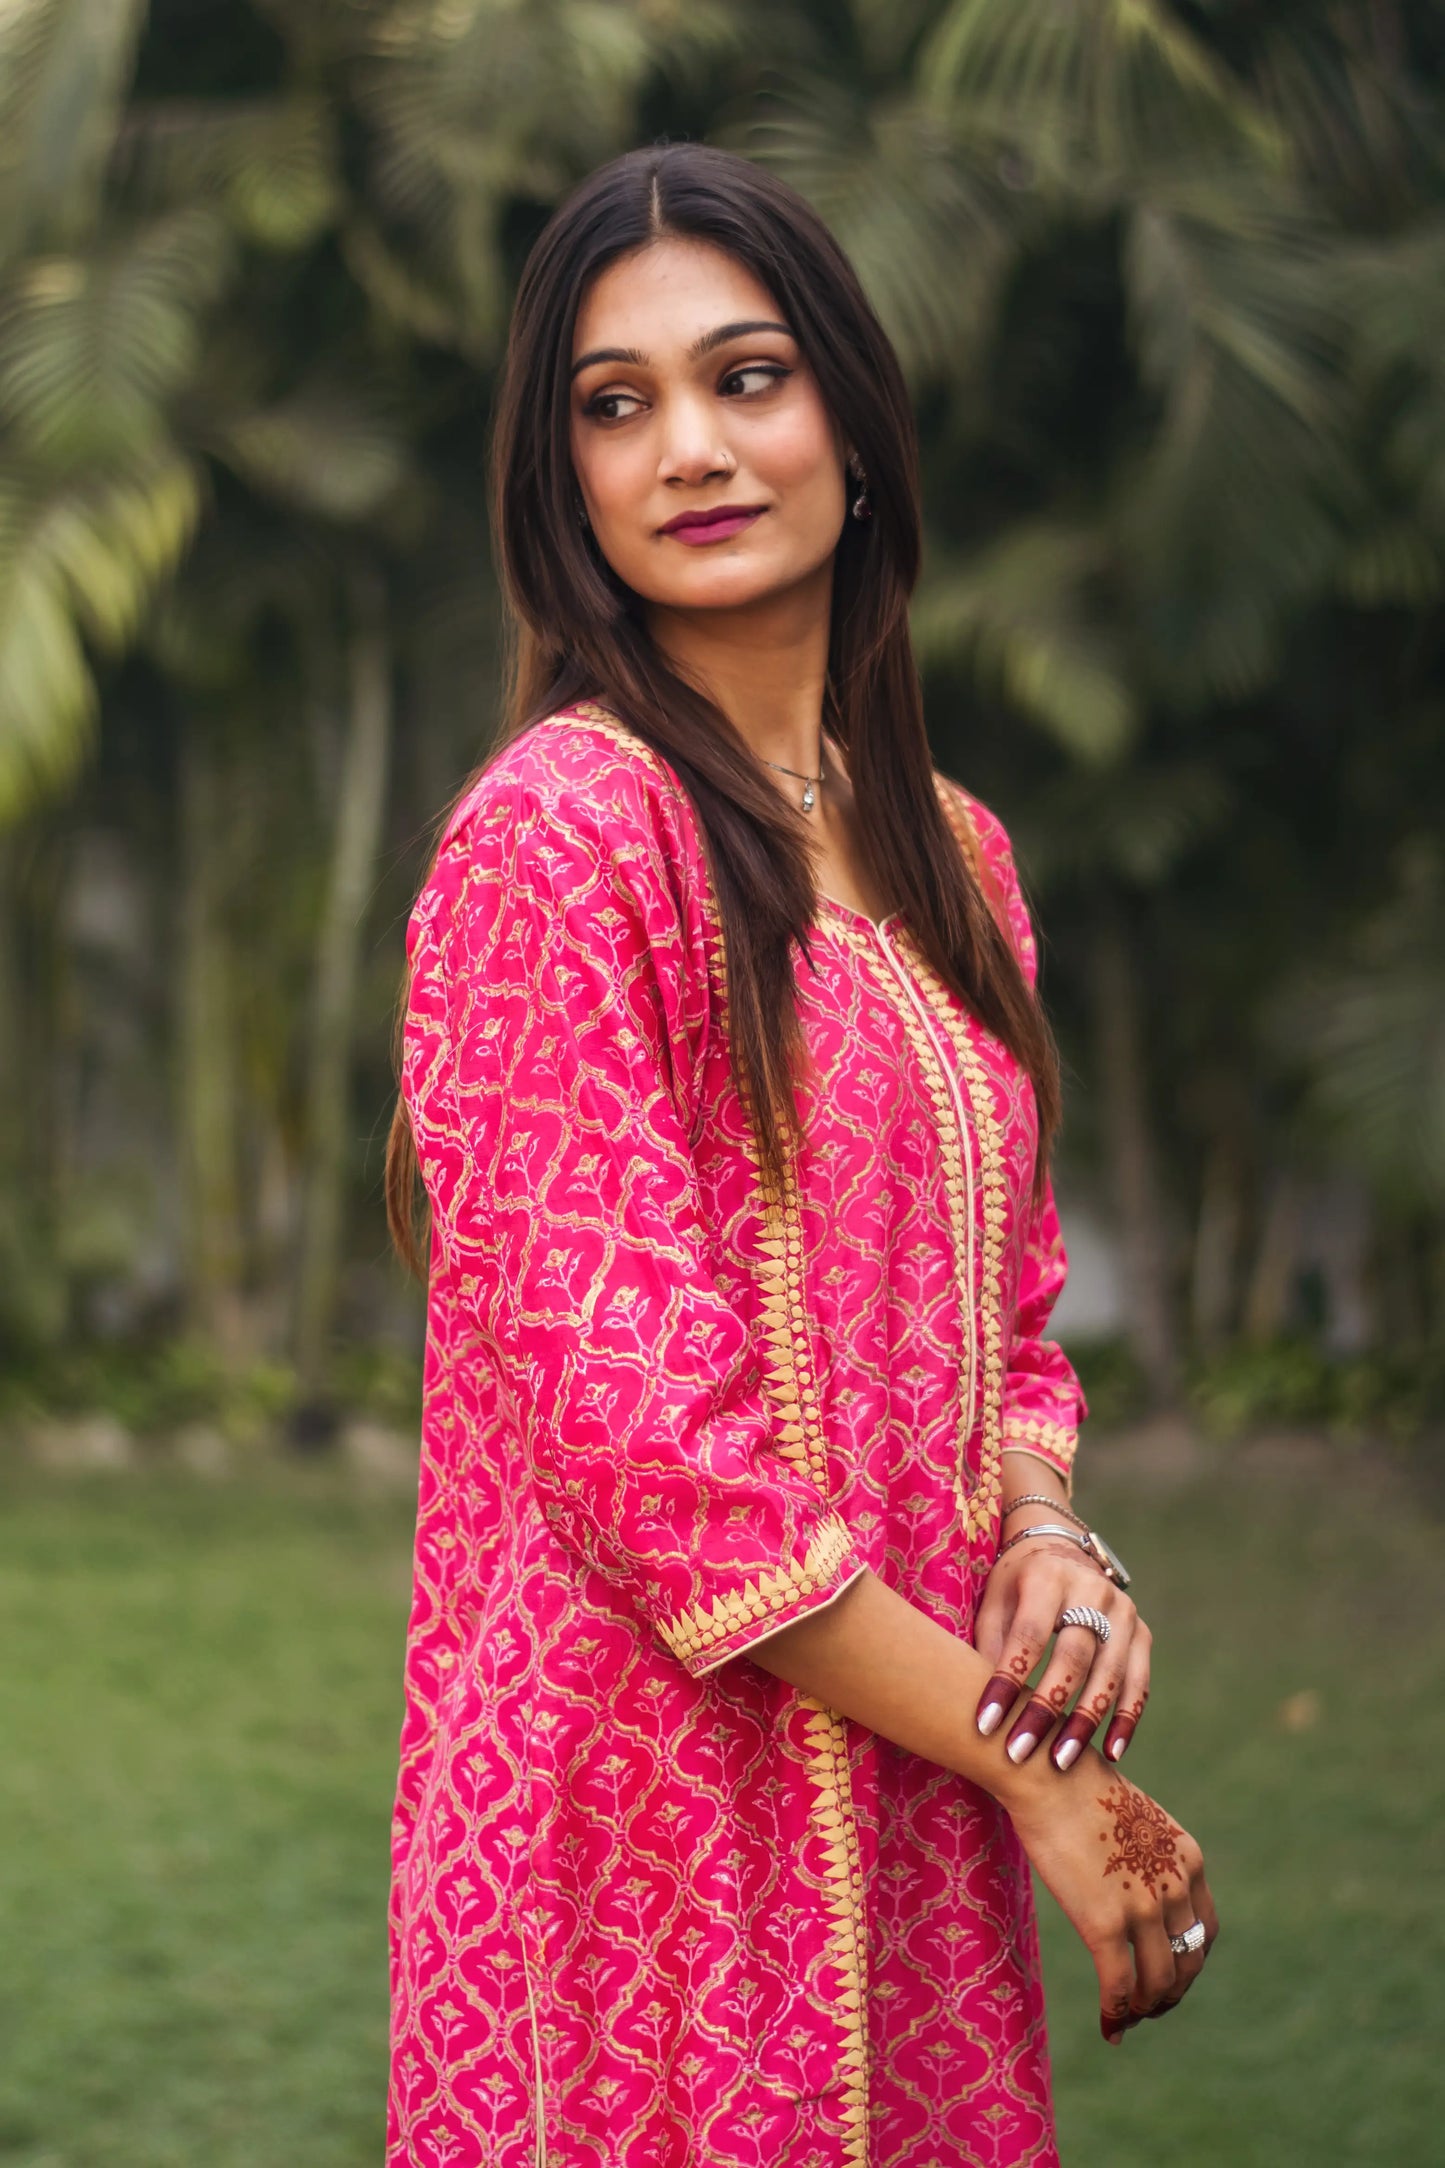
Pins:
x,y
1067,1752
1021,1745
1116,1747
994,1703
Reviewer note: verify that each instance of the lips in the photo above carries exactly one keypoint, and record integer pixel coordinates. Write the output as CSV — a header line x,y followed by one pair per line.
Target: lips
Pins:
x,y
722,515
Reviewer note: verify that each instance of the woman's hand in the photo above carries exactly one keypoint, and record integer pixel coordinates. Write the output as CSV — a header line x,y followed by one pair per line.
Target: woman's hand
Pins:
x,y
1029,1587
1127,1876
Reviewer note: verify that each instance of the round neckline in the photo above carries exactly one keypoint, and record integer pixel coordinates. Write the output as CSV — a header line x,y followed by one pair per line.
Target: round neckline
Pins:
x,y
859,918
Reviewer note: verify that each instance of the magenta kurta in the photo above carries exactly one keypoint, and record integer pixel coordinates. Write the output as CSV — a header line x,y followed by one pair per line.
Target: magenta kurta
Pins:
x,y
653,1908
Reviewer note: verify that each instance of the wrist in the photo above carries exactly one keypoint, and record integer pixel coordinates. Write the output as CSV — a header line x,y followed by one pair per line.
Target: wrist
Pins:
x,y
1033,1792
1022,1475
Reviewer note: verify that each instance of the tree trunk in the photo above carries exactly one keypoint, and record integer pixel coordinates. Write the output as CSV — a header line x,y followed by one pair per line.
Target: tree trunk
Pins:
x,y
1128,1131
356,842
212,1240
1276,1261
30,1307
1216,1246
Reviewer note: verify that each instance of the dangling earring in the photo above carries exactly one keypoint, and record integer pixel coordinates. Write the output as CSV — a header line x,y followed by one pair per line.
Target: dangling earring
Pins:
x,y
580,508
862,508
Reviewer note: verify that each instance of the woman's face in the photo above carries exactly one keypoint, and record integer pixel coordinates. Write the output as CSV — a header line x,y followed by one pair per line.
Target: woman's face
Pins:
x,y
670,417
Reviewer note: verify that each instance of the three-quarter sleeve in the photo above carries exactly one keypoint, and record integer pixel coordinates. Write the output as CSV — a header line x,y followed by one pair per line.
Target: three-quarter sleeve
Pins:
x,y
561,1018
1043,1404
1043,1401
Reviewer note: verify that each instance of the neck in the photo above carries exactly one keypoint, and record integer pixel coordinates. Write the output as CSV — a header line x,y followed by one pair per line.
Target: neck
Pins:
x,y
764,666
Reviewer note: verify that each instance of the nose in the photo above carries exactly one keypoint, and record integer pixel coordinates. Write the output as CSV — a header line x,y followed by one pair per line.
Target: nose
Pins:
x,y
693,444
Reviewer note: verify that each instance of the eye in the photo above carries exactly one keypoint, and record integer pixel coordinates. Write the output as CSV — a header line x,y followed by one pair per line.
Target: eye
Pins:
x,y
757,368
602,399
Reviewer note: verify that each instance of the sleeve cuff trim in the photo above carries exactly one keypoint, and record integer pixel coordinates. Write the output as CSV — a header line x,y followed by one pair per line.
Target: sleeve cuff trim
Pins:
x,y
778,1626
1050,1441
704,1627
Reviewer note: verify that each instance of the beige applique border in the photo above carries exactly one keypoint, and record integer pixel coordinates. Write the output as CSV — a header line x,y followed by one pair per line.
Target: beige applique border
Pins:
x,y
702,1627
1037,1430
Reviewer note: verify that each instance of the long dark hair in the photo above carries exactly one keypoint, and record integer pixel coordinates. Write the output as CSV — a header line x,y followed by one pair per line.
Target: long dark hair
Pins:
x,y
576,632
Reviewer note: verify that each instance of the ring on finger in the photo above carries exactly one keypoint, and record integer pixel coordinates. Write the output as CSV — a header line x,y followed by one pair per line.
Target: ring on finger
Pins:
x,y
1192,1940
1084,1614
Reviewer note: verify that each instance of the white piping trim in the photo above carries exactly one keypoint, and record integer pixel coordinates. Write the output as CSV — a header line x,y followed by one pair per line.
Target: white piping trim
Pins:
x,y
539,2154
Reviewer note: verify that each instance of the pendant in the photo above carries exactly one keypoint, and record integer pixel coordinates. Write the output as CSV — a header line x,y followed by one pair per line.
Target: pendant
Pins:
x,y
808,796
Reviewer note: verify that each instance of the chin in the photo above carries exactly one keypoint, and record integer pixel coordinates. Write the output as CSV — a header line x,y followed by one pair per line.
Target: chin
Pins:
x,y
722,588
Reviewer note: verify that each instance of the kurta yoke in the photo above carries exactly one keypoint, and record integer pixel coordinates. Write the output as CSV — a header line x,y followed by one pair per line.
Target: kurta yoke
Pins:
x,y
651,1907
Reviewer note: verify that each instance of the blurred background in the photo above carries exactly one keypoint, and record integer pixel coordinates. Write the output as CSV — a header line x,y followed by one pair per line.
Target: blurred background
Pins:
x,y
1168,281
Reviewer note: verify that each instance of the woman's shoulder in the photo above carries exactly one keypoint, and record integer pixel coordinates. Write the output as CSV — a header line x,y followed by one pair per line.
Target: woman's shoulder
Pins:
x,y
978,828
574,809
579,769
986,845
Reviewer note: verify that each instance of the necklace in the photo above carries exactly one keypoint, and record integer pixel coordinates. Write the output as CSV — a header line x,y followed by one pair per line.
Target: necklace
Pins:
x,y
809,780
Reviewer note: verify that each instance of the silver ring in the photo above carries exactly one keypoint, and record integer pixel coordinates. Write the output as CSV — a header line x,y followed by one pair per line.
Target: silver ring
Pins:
x,y
1084,1614
1191,1940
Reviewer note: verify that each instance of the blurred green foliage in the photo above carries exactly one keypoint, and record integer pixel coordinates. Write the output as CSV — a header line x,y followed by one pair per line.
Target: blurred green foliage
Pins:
x,y
1281,1384
150,1390
1168,282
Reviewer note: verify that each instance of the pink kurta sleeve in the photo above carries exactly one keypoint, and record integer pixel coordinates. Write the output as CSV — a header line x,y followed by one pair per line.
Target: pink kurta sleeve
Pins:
x,y
567,973
1043,1401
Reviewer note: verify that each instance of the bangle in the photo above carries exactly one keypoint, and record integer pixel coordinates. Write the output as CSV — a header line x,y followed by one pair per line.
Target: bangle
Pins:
x,y
1036,1498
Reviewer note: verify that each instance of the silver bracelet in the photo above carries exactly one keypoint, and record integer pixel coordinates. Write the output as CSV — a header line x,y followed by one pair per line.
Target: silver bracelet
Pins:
x,y
1045,1528
1091,1543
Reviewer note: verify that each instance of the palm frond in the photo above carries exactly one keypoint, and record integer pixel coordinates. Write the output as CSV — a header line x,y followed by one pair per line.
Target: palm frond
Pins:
x,y
1019,617
333,447
1133,823
932,221
889,33
1393,564
92,346
63,67
272,163
1337,80
1240,505
79,560
1122,83
1373,1033
1394,294
469,105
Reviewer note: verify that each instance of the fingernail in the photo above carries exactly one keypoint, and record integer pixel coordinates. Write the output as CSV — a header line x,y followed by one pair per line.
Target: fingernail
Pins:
x,y
1114,2039
1115,1748
1022,1745
1067,1752
990,1718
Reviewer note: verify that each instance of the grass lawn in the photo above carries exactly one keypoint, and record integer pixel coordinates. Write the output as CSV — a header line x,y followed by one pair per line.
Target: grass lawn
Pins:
x,y
199,1709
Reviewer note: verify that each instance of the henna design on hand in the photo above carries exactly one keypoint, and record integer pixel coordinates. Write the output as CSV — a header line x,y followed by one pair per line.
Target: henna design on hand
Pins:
x,y
1147,1841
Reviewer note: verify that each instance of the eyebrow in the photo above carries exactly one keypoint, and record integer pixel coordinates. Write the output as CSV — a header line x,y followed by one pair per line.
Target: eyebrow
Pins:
x,y
718,336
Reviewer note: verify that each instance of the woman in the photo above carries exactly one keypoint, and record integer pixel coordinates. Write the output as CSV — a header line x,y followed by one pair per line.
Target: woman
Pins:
x,y
732,1099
